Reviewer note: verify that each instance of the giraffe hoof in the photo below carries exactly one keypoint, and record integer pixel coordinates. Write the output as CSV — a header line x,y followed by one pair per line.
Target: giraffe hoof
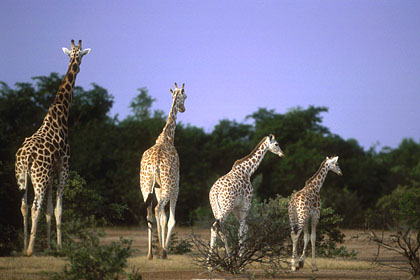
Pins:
x,y
314,268
294,268
301,263
150,257
164,254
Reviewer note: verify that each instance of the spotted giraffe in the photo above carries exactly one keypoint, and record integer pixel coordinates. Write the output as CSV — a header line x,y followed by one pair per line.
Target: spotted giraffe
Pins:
x,y
160,164
46,152
305,205
233,191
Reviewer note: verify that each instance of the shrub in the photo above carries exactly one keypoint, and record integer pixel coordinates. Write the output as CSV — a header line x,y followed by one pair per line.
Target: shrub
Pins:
x,y
176,246
268,239
89,260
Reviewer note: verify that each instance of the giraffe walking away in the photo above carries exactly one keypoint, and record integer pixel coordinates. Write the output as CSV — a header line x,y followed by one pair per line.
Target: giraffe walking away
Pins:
x,y
160,164
47,152
233,192
305,205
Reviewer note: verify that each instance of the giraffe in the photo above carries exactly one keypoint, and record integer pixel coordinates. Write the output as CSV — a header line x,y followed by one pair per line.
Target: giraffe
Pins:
x,y
160,164
47,151
305,205
233,191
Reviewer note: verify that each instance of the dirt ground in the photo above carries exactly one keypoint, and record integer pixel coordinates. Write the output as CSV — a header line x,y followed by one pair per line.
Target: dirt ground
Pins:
x,y
182,266
360,268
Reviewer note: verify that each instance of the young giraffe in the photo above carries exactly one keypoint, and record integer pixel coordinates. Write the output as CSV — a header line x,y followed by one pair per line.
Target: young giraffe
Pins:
x,y
305,205
160,164
233,191
47,151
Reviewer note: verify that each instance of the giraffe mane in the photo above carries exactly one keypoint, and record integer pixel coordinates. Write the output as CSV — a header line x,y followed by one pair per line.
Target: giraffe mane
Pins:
x,y
316,173
249,155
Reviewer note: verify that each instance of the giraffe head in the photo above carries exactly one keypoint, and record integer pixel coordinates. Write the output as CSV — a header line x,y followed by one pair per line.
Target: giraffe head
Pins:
x,y
273,146
180,96
76,52
332,164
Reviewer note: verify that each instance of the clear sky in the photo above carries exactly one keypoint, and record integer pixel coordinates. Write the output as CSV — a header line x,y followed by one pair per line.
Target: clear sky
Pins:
x,y
359,58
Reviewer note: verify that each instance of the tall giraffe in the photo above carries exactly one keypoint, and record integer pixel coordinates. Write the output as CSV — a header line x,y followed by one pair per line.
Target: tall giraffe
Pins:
x,y
233,191
160,164
47,151
305,205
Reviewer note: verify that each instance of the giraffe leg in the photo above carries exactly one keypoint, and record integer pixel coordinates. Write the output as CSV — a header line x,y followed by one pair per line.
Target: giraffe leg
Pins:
x,y
48,214
295,237
171,223
36,207
158,212
213,237
150,228
163,220
305,244
313,241
240,214
24,210
222,234
62,177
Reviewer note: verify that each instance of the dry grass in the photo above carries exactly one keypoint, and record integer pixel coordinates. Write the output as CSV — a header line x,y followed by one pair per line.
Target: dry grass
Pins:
x,y
182,267
29,268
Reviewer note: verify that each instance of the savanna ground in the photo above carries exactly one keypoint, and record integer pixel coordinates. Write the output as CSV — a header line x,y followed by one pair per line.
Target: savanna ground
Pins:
x,y
183,267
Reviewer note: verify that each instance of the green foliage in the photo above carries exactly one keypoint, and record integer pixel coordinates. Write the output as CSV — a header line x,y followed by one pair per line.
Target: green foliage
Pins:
x,y
89,260
106,152
176,246
400,209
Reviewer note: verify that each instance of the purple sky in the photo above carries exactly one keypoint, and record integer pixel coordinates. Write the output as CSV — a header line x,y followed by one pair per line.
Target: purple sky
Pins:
x,y
361,59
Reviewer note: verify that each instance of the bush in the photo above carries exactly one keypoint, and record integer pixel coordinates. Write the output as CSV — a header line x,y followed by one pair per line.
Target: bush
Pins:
x,y
176,246
268,239
89,260
401,212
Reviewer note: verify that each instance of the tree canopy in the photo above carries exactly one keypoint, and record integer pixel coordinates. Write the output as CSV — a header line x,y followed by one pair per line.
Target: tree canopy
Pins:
x,y
106,152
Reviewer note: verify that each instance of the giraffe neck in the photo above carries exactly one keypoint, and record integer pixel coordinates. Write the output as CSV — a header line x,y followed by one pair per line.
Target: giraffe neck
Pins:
x,y
251,162
59,109
168,132
316,181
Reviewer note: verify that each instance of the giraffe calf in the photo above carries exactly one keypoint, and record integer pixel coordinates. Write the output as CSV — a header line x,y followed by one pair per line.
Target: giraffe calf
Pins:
x,y
305,205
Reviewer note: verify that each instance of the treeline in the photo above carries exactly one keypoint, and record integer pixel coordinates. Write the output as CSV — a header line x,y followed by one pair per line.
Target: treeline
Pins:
x,y
106,151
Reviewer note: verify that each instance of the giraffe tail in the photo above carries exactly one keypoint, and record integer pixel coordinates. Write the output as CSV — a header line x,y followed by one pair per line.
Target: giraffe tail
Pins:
x,y
23,180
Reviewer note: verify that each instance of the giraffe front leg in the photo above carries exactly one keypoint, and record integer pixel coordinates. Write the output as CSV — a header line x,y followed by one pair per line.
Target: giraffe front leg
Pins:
x,y
305,244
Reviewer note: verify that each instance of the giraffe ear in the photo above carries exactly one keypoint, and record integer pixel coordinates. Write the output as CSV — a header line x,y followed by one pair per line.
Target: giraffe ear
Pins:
x,y
85,51
66,51
271,137
172,92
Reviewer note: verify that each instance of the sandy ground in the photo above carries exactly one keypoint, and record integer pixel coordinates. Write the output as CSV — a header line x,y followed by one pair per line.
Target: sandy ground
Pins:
x,y
329,268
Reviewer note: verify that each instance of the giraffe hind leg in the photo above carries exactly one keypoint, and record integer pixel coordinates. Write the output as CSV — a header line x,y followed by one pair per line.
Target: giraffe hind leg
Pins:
x,y
22,181
48,214
171,223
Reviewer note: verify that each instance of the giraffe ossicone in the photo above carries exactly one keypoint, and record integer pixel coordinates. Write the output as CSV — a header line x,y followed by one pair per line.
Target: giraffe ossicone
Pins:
x,y
305,206
46,153
160,165
233,192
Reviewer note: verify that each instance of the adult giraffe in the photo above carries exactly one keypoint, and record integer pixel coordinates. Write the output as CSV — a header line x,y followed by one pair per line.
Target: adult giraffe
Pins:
x,y
47,152
160,164
233,191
